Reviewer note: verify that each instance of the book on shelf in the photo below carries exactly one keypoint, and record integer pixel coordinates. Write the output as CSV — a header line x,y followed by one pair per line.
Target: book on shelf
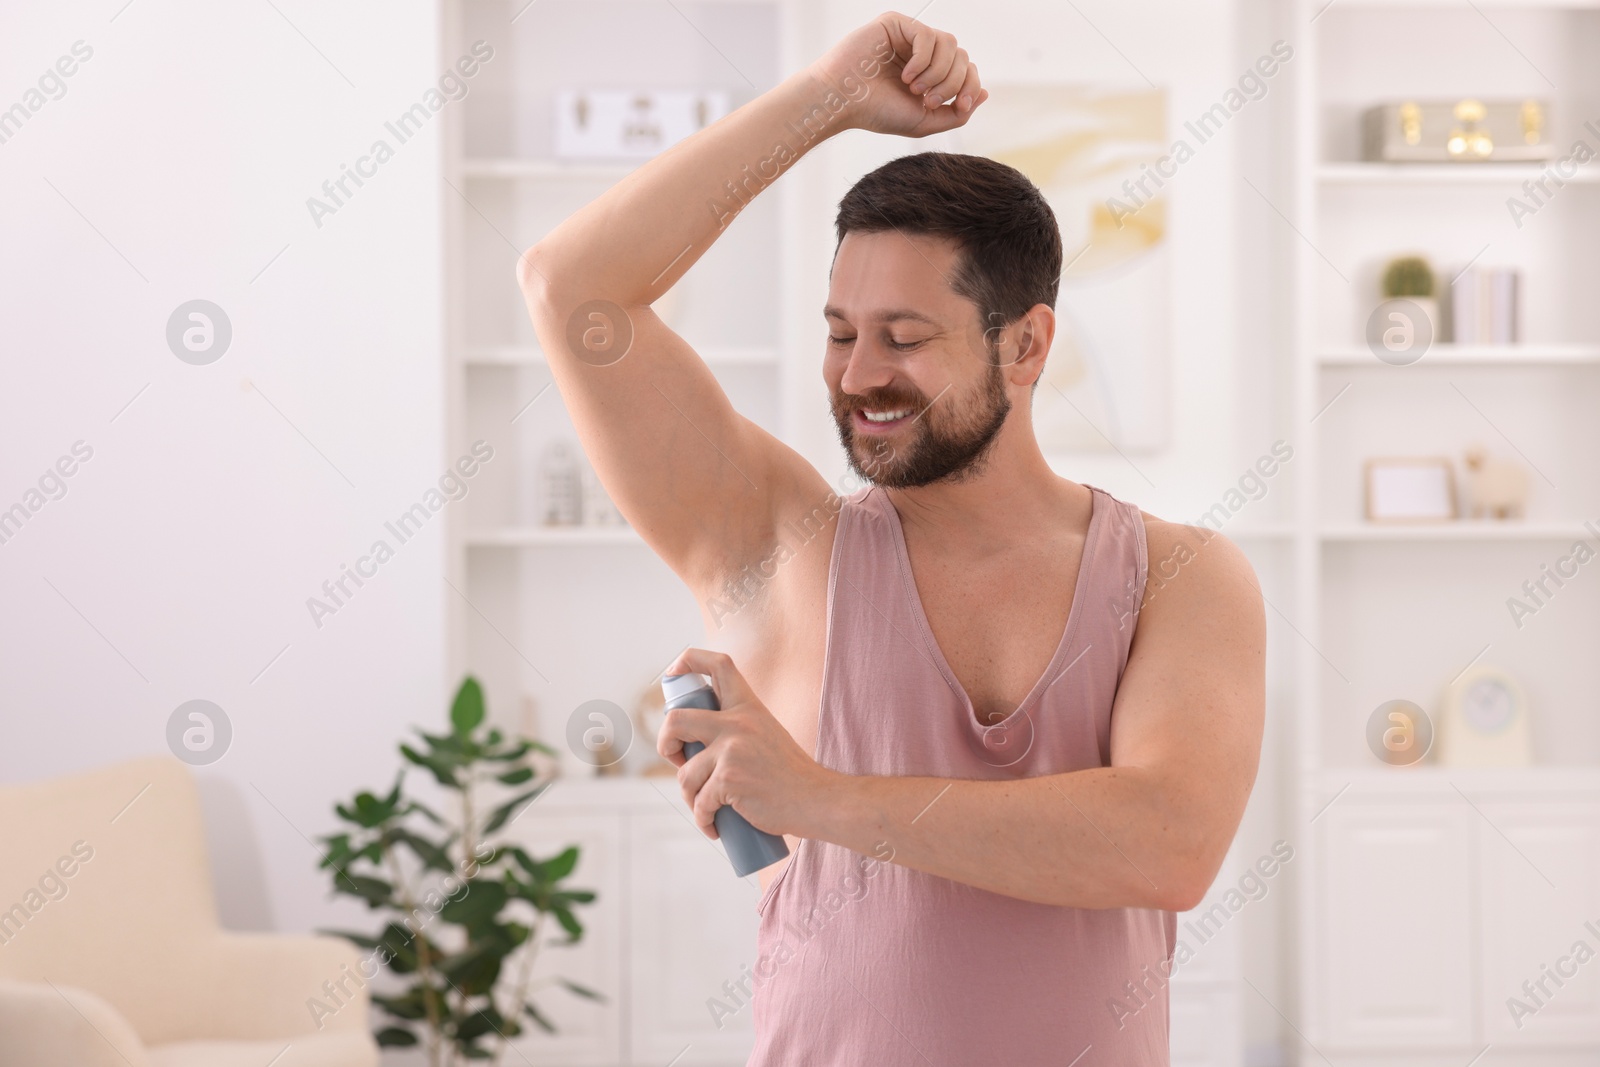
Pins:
x,y
1485,306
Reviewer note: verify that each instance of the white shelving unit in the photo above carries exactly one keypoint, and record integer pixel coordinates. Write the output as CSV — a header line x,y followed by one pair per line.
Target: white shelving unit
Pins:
x,y
1510,174
1429,894
522,613
520,609
531,356
1449,355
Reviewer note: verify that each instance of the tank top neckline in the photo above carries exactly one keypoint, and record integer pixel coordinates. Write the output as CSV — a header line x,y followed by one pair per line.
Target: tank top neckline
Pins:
x,y
1048,677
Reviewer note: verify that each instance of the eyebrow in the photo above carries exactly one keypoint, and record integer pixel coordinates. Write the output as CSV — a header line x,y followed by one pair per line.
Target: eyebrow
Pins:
x,y
887,315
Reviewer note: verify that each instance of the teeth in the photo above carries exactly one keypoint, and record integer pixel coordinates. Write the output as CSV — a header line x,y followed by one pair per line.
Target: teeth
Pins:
x,y
886,416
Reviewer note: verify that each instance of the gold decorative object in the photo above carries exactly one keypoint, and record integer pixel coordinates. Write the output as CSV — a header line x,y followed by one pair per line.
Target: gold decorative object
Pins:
x,y
1466,130
1469,138
1532,118
1411,123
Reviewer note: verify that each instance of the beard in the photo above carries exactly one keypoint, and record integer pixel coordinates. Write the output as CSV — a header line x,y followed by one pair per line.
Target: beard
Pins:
x,y
939,445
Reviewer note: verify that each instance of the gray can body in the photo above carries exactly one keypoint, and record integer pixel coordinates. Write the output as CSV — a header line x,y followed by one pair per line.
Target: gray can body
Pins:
x,y
748,849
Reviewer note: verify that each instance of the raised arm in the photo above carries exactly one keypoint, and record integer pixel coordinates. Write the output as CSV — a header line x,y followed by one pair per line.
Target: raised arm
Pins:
x,y
704,485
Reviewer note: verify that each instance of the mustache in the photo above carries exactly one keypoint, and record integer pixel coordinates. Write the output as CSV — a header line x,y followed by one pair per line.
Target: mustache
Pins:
x,y
886,397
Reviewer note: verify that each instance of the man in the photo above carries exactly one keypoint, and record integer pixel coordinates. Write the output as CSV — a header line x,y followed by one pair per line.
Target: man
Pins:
x,y
1001,762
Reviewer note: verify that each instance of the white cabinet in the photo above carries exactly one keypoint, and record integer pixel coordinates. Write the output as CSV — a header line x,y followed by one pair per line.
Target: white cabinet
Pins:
x,y
692,929
671,924
1205,1024
588,1032
1540,876
1205,991
1438,894
1396,948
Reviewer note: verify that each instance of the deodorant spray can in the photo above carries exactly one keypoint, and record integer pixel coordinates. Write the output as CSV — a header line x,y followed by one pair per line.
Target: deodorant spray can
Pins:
x,y
748,849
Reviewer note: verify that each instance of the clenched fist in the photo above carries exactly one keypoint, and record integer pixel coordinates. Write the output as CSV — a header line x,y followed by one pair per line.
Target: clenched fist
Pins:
x,y
919,81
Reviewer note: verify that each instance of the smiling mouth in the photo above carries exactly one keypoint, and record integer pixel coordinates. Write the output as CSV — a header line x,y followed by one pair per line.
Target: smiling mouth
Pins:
x,y
883,419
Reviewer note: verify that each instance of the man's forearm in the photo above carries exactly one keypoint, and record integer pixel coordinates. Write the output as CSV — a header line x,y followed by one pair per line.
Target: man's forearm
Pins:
x,y
634,242
1099,838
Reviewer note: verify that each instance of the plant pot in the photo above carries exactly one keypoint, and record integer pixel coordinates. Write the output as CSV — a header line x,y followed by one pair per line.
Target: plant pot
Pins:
x,y
1430,308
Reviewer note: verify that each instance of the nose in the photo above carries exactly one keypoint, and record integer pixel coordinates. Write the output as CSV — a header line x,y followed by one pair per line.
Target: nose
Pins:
x,y
869,366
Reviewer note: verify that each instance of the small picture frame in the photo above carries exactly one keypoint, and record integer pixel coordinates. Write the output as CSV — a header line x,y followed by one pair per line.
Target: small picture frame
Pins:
x,y
1416,489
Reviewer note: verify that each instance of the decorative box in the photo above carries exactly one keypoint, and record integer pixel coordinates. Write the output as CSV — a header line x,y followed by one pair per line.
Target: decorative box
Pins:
x,y
1463,131
631,123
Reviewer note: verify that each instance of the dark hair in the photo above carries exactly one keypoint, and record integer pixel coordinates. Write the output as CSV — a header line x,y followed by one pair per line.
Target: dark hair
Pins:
x,y
1010,245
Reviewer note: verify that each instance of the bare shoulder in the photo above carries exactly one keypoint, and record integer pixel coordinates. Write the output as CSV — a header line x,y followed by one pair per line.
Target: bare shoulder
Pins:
x,y
1197,576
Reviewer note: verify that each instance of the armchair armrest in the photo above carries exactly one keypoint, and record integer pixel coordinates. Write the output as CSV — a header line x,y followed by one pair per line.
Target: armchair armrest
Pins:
x,y
244,987
45,1026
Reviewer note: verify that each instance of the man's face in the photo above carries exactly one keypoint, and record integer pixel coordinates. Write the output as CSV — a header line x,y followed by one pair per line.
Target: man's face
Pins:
x,y
915,392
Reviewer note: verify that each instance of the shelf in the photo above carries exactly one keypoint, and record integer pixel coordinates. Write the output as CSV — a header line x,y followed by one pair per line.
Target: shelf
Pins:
x,y
554,537
1430,780
530,356
1458,530
1524,5
1470,356
518,169
1443,173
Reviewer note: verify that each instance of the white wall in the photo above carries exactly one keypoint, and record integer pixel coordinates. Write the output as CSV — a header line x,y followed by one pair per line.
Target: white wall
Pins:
x,y
178,563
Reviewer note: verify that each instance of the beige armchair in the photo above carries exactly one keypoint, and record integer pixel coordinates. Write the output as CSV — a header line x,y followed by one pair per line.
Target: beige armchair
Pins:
x,y
110,951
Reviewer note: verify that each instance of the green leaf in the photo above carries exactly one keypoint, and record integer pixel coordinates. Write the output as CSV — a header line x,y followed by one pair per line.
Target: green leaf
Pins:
x,y
483,1021
481,903
448,745
558,867
394,794
582,991
402,947
411,1005
533,1013
494,856
503,812
573,896
368,811
432,815
444,771
474,971
375,891
516,777
340,851
509,755
467,713
433,856
568,921
395,1037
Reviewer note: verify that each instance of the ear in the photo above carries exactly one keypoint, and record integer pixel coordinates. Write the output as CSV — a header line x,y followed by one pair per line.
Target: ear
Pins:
x,y
1030,337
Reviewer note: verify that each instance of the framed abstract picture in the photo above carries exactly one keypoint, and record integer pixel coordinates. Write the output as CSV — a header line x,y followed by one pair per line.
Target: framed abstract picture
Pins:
x,y
1093,152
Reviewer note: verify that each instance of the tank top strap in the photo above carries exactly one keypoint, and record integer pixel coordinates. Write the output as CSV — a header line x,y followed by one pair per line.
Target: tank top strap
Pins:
x,y
1121,566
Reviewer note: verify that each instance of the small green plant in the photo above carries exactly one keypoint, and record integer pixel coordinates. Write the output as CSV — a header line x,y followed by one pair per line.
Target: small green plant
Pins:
x,y
1407,276
468,913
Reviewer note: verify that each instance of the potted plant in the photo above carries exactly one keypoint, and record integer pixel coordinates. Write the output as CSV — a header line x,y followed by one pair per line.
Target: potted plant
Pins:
x,y
1411,278
467,911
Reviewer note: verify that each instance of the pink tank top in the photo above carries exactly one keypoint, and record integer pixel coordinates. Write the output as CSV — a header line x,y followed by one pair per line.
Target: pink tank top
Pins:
x,y
862,962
